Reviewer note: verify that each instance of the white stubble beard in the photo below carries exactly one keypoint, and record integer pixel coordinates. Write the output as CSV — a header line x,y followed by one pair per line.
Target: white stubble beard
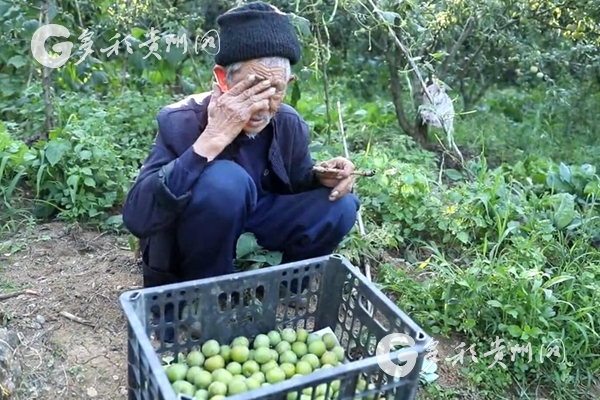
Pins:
x,y
254,134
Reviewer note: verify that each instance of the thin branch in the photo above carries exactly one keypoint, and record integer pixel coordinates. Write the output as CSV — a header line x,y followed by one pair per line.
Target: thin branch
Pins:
x,y
322,66
467,31
6,296
361,225
75,318
466,68
431,48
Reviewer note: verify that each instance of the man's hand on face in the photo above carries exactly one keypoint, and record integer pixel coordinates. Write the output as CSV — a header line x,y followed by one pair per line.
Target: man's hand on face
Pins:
x,y
229,112
341,182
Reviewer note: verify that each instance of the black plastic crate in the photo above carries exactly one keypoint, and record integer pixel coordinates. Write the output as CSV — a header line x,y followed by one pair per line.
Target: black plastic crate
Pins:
x,y
248,303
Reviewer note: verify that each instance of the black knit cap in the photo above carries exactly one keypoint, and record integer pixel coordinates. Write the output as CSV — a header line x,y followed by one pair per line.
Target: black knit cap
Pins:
x,y
256,30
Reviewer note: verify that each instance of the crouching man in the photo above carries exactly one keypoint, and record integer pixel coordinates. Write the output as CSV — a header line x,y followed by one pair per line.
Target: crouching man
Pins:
x,y
236,160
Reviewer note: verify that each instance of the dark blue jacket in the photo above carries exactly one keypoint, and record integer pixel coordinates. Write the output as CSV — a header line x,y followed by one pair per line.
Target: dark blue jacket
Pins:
x,y
150,208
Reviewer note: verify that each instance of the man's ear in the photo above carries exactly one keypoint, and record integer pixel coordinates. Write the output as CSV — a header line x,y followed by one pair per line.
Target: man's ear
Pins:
x,y
292,79
220,75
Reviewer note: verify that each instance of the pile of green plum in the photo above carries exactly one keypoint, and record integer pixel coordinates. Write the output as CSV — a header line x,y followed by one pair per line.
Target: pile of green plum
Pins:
x,y
217,370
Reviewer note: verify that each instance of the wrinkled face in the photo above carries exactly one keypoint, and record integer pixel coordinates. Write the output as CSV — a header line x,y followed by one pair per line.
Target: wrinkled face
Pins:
x,y
277,76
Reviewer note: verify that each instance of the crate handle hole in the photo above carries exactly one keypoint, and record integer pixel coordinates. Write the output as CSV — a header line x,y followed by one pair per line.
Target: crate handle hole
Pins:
x,y
346,291
293,289
235,299
260,293
248,297
283,293
135,295
342,310
421,336
222,300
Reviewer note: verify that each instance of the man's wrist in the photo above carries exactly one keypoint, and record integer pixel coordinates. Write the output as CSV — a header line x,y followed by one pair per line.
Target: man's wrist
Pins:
x,y
210,144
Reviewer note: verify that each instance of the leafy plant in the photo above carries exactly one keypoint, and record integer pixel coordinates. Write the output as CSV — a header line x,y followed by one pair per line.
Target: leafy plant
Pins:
x,y
250,255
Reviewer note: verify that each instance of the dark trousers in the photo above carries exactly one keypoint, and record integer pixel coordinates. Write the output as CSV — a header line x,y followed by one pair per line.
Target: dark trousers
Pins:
x,y
226,204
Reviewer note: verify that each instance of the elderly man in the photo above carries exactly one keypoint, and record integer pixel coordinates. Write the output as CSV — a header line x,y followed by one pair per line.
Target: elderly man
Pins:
x,y
237,160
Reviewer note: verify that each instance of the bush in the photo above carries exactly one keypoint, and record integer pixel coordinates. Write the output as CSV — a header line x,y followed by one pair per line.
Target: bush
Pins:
x,y
85,168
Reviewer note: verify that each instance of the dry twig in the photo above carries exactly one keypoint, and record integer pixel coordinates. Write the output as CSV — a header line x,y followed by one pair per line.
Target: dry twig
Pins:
x,y
316,168
75,318
6,296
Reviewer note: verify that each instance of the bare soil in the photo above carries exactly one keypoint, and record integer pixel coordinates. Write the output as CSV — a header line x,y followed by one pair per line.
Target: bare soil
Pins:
x,y
81,273
72,330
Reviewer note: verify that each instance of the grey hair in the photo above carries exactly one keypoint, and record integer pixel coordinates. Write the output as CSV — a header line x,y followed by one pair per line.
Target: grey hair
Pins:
x,y
234,68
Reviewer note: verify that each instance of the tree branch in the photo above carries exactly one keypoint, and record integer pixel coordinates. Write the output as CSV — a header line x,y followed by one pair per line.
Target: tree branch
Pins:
x,y
467,31
431,48
464,70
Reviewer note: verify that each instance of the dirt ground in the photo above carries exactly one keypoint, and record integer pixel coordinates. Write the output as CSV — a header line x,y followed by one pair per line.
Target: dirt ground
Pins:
x,y
82,354
82,274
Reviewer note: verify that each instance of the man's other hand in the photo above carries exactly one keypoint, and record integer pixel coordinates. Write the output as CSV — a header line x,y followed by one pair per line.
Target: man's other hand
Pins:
x,y
341,182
